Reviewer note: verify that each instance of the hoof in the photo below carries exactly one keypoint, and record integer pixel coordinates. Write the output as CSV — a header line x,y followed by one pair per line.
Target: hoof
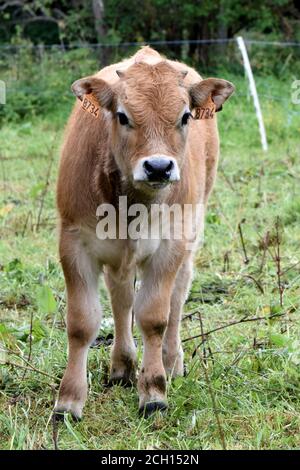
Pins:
x,y
151,407
59,416
60,411
123,381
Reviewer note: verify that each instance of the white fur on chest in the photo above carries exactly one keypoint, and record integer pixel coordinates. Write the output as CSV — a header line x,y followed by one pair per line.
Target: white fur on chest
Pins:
x,y
112,252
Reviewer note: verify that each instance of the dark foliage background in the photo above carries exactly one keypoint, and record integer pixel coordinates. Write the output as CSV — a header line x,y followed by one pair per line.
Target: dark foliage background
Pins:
x,y
116,21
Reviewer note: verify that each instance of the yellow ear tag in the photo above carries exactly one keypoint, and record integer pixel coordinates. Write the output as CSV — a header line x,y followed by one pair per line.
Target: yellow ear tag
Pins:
x,y
91,105
207,111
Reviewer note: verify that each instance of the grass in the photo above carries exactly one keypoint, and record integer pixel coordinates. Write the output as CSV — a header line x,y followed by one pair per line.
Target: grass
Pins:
x,y
252,366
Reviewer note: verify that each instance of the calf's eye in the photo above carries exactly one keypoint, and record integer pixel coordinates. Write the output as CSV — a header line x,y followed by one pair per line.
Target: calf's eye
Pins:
x,y
185,118
123,119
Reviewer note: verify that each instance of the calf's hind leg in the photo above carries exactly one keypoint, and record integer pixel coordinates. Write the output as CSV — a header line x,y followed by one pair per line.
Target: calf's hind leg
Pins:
x,y
172,349
123,354
83,321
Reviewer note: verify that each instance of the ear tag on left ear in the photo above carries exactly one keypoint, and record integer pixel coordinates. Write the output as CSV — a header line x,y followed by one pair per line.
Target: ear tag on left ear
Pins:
x,y
207,111
91,105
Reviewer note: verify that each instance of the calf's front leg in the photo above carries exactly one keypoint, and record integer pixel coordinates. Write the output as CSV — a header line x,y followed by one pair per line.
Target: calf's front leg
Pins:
x,y
151,308
83,321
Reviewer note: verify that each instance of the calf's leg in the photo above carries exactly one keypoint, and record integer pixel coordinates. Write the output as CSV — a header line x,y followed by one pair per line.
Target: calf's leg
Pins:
x,y
83,320
123,354
152,307
172,349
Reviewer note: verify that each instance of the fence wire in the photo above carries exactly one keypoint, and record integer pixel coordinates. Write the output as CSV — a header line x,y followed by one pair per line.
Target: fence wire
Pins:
x,y
28,70
150,43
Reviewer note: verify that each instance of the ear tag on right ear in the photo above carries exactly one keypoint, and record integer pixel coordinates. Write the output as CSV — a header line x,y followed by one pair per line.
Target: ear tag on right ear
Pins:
x,y
207,111
91,105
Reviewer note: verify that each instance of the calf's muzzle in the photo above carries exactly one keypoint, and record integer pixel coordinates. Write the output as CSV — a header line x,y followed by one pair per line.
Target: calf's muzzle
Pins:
x,y
156,169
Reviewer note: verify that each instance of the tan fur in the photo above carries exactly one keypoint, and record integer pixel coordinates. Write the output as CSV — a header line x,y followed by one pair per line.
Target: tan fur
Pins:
x,y
98,158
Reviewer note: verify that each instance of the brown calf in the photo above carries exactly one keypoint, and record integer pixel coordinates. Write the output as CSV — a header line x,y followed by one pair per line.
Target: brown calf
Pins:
x,y
131,134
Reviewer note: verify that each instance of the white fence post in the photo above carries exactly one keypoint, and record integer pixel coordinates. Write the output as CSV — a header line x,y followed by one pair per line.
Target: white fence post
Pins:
x,y
253,91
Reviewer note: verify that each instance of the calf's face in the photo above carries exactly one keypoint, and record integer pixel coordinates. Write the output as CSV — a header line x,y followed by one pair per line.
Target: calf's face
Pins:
x,y
151,108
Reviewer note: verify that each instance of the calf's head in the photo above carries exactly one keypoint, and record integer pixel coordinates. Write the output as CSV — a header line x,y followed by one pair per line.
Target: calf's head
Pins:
x,y
150,109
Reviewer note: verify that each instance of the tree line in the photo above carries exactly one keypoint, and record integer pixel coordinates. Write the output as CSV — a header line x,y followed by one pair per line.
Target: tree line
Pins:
x,y
116,21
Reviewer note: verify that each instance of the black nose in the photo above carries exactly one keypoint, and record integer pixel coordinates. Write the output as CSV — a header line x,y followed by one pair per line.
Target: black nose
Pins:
x,y
158,169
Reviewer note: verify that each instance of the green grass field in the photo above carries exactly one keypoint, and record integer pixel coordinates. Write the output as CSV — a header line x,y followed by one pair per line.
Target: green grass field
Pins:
x,y
244,372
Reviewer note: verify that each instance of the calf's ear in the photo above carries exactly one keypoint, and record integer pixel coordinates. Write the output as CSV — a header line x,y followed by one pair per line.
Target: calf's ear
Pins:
x,y
95,86
217,89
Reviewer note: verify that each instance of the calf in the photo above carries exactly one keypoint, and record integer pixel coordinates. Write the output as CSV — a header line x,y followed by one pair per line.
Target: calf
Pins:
x,y
144,129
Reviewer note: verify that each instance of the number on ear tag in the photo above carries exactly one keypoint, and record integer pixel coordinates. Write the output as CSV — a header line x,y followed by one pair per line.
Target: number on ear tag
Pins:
x,y
207,111
90,104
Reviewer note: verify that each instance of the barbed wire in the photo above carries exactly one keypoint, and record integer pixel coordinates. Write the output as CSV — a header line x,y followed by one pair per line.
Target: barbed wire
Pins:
x,y
39,92
68,94
121,44
177,42
273,43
